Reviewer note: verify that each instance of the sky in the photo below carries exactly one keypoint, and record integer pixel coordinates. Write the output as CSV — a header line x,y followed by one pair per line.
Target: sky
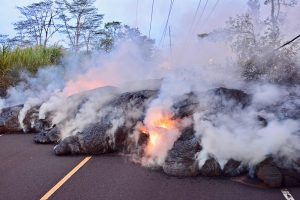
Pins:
x,y
136,13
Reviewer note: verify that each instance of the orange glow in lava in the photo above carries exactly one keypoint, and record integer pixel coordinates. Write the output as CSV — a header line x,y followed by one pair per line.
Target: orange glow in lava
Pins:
x,y
163,131
142,128
165,123
154,138
82,84
158,130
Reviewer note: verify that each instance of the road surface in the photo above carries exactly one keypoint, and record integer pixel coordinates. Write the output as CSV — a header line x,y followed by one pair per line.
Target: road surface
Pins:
x,y
29,171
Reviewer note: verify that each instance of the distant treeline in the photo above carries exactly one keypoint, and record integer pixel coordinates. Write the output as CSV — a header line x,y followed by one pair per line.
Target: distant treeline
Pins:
x,y
48,28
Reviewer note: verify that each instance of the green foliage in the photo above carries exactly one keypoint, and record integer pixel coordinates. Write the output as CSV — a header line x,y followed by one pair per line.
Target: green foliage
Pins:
x,y
29,59
115,33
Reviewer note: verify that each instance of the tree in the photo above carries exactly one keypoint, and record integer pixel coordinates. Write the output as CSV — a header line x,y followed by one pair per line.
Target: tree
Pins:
x,y
80,21
274,18
92,30
257,49
38,22
254,10
145,44
4,42
114,34
109,35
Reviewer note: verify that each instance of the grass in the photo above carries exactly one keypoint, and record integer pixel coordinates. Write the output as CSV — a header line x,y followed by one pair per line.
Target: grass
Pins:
x,y
28,59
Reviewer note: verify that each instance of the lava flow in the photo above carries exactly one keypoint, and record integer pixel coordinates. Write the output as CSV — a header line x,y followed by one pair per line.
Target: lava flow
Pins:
x,y
160,128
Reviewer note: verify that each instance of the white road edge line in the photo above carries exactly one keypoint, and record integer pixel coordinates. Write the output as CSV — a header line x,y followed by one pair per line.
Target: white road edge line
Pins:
x,y
287,194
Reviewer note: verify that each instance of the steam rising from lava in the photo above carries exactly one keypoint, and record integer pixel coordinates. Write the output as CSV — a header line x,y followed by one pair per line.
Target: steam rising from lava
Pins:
x,y
223,135
162,132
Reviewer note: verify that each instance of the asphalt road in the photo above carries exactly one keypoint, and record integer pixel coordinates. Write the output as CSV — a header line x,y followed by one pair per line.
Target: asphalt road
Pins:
x,y
28,171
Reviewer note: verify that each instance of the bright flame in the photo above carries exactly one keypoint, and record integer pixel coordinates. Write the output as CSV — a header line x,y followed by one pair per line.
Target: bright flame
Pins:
x,y
165,123
154,138
161,129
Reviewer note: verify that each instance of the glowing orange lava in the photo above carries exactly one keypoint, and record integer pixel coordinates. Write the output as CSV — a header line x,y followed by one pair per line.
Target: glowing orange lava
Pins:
x,y
165,123
82,84
154,138
158,130
89,80
142,128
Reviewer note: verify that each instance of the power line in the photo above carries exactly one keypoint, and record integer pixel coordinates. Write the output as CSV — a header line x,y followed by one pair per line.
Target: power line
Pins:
x,y
151,18
195,15
194,21
167,22
288,42
208,16
212,11
201,15
170,40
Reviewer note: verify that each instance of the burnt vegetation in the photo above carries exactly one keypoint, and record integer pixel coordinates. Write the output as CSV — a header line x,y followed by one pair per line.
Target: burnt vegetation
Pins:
x,y
259,46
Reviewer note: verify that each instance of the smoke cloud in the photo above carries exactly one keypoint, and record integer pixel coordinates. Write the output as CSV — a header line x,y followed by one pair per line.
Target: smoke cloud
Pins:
x,y
64,93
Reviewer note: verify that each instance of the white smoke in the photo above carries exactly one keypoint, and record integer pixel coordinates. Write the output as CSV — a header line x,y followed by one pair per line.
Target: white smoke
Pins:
x,y
193,67
86,114
239,136
2,103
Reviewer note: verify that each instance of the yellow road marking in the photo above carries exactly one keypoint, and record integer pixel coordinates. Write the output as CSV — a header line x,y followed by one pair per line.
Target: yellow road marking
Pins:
x,y
64,179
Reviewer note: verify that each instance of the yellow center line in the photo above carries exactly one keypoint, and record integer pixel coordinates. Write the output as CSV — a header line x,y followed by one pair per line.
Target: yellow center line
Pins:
x,y
64,179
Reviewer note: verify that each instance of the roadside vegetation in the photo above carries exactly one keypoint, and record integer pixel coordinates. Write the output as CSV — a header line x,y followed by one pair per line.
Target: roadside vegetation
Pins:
x,y
77,23
30,59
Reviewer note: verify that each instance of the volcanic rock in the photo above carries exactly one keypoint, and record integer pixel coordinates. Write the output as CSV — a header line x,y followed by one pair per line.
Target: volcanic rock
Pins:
x,y
181,159
115,130
211,168
47,136
225,97
3,92
233,168
186,106
269,173
118,119
287,107
297,162
262,121
278,173
9,122
70,145
32,123
291,177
